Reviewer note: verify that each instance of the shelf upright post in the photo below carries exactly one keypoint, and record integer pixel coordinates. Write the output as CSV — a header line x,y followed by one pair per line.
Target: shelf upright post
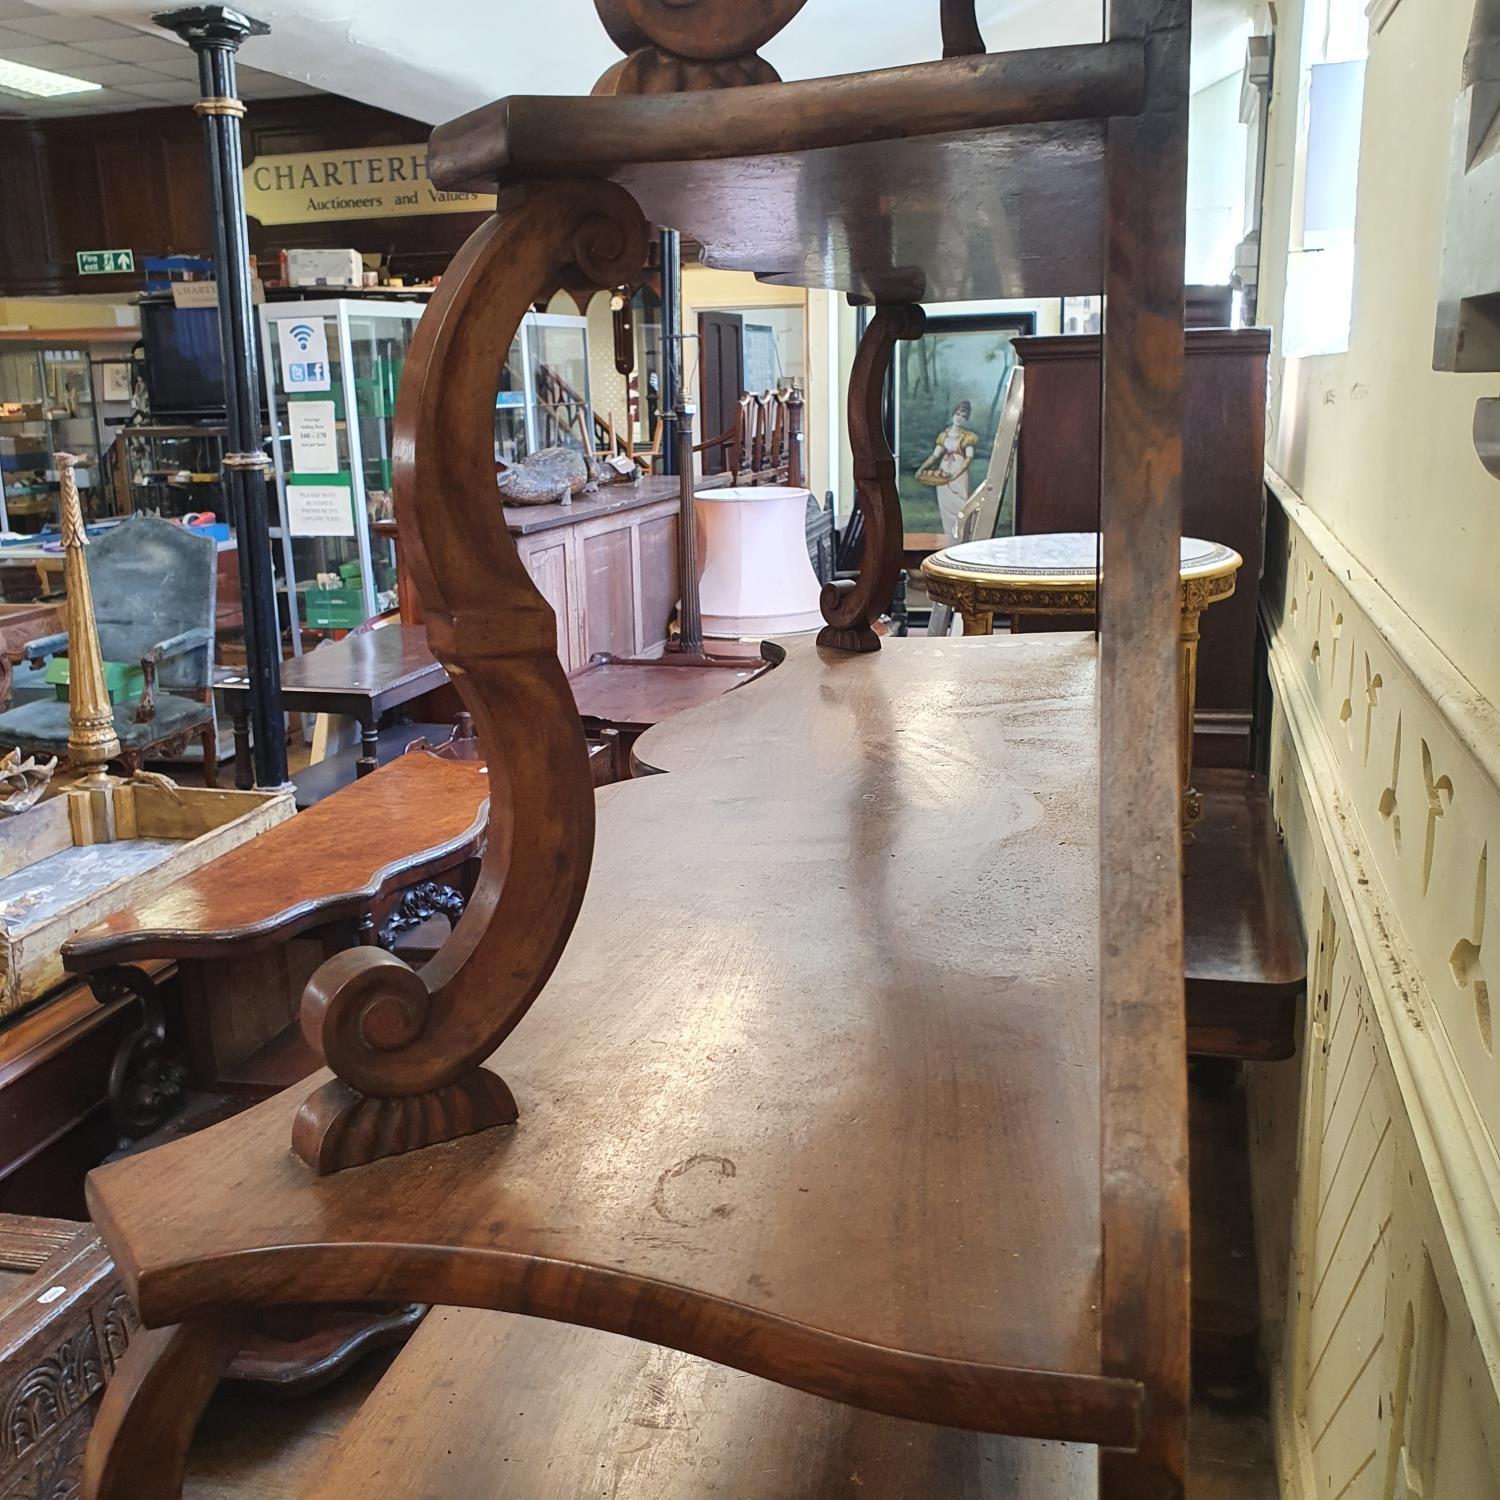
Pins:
x,y
215,33
671,346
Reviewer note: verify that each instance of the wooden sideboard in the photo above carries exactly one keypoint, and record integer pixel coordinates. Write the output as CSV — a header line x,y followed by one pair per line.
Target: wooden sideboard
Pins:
x,y
1223,438
607,563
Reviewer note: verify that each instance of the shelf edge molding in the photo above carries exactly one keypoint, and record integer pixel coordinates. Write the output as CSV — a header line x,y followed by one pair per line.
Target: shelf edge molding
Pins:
x,y
407,1045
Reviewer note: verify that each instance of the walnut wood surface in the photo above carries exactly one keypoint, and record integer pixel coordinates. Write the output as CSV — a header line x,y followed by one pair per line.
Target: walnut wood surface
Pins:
x,y
1246,961
585,1413
384,830
852,606
138,1447
369,662
407,1046
636,695
820,1117
848,183
1143,1083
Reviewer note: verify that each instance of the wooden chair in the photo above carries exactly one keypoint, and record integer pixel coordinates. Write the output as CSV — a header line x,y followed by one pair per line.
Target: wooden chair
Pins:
x,y
765,444
799,1124
154,586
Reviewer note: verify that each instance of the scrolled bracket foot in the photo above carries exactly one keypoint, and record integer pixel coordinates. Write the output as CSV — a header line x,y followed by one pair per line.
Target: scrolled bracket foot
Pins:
x,y
338,1127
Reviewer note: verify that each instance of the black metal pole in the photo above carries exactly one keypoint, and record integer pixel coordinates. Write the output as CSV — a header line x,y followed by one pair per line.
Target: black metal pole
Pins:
x,y
690,613
671,346
215,32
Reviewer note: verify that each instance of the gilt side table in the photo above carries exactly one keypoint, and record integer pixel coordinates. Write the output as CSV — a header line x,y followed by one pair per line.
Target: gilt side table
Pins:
x,y
1056,573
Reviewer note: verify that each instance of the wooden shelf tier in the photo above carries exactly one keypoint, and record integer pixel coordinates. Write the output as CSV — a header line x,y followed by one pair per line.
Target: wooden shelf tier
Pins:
x,y
968,178
813,1093
570,1412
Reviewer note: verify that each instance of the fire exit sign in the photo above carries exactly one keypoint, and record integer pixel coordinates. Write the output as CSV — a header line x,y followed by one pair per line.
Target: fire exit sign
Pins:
x,y
105,262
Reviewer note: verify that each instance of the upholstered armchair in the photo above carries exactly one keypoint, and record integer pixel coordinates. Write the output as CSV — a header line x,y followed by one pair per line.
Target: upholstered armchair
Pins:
x,y
154,586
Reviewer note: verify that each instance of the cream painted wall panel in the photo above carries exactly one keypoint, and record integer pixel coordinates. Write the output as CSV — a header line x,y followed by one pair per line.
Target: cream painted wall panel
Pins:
x,y
1374,440
1385,1327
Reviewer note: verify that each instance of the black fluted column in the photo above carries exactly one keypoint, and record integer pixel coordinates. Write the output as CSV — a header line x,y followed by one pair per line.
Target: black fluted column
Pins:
x,y
672,361
215,32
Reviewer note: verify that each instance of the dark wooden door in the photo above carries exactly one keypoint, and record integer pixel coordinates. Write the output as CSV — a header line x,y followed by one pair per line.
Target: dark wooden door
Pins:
x,y
721,340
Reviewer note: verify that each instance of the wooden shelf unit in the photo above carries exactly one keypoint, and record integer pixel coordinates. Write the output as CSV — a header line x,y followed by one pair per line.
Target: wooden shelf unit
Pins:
x,y
864,1070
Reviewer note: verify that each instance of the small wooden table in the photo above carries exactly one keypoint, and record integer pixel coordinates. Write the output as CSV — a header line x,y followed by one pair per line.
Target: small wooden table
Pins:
x,y
360,677
328,871
1056,573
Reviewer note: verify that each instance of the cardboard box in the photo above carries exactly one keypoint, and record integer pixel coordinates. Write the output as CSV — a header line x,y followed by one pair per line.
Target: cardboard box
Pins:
x,y
324,268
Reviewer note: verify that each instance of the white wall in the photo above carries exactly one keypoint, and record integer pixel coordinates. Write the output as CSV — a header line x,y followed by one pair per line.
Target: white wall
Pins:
x,y
1376,1170
1217,147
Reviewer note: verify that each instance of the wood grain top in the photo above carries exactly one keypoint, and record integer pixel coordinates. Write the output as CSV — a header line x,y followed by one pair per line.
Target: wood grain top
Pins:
x,y
635,695
588,1413
813,1091
368,663
1243,937
323,864
849,183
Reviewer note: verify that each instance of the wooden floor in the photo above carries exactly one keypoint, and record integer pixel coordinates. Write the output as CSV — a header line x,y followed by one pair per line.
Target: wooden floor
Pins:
x,y
253,1447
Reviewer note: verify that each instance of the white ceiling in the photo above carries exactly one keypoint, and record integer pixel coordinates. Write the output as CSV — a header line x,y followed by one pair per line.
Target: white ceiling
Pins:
x,y
448,56
135,69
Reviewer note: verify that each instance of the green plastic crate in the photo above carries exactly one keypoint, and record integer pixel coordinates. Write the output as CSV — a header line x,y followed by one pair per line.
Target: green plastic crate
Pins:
x,y
123,682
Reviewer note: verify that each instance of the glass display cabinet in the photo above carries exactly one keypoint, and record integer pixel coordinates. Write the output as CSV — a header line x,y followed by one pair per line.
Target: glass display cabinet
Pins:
x,y
47,407
544,400
332,368
174,470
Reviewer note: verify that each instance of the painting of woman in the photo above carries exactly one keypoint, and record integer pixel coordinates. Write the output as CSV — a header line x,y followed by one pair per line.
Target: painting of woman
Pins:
x,y
946,468
947,388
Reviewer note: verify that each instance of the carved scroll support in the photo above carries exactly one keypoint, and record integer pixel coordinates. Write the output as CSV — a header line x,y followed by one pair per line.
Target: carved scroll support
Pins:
x,y
407,1046
851,606
690,46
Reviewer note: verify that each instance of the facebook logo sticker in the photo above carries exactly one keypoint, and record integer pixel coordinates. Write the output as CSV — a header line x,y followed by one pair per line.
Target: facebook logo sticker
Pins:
x,y
304,354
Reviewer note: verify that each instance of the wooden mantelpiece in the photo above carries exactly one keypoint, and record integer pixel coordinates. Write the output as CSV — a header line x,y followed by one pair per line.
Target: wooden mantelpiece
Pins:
x,y
887,1101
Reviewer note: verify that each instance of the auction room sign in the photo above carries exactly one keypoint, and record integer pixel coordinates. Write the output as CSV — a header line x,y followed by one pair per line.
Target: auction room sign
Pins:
x,y
379,182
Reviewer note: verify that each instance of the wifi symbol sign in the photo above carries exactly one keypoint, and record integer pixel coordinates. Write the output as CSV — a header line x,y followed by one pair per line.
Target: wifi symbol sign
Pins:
x,y
302,335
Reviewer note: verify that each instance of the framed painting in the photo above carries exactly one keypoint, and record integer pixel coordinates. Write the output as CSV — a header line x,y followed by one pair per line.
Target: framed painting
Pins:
x,y
946,398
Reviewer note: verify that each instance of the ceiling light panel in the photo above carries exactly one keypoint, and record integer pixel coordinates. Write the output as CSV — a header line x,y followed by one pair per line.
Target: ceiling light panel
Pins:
x,y
40,83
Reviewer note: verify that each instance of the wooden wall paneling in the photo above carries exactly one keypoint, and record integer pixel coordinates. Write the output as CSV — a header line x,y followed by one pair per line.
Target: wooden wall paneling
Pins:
x,y
609,603
658,552
546,560
1385,1337
138,180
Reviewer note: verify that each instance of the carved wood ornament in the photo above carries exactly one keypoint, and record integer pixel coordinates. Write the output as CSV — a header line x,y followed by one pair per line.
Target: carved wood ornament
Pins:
x,y
686,46
407,1045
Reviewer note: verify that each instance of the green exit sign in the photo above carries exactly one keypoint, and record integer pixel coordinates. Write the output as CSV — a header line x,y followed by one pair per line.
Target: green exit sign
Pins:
x,y
105,262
